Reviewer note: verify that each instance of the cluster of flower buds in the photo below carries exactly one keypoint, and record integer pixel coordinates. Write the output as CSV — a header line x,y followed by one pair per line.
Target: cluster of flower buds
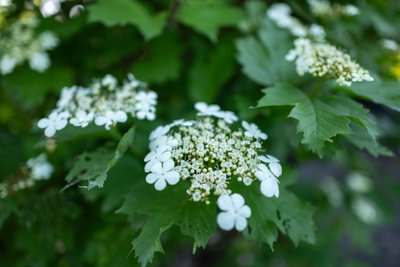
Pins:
x,y
105,103
324,9
209,155
36,169
323,59
19,42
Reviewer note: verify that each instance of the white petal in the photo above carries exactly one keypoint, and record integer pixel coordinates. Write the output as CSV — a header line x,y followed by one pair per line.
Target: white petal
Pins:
x,y
226,220
149,156
165,156
246,125
238,201
275,168
269,187
101,120
157,168
172,177
147,167
261,175
60,124
160,184
240,223
120,116
225,203
272,158
168,165
43,123
244,211
151,178
50,131
200,106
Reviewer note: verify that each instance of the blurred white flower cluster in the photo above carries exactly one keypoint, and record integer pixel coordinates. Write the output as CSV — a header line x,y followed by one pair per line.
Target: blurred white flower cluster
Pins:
x,y
19,42
323,59
104,102
312,53
36,169
209,154
281,15
324,9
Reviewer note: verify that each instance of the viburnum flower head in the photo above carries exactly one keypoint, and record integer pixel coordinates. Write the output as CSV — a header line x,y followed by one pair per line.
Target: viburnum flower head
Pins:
x,y
209,154
21,43
104,102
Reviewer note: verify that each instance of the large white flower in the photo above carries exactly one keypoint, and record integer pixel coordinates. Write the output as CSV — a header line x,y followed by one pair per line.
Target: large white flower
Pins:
x,y
161,154
269,184
234,212
273,164
55,122
82,118
253,131
207,110
110,118
163,173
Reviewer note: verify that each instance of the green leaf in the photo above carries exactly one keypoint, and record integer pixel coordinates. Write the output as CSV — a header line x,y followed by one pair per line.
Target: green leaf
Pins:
x,y
263,59
94,166
318,121
210,73
355,111
156,66
382,92
287,213
163,210
31,87
208,17
361,139
121,12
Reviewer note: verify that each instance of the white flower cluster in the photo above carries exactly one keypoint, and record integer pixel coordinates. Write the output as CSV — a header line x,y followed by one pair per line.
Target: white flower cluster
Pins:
x,y
323,59
105,103
36,169
19,43
209,155
280,13
324,9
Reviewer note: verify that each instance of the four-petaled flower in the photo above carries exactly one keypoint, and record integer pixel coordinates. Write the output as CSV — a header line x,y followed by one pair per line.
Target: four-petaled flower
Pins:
x,y
253,131
269,184
273,164
161,154
159,131
207,110
145,105
234,212
55,122
111,118
82,118
163,173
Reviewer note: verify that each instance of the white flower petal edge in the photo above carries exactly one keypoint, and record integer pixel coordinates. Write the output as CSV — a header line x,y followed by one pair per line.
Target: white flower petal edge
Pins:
x,y
234,212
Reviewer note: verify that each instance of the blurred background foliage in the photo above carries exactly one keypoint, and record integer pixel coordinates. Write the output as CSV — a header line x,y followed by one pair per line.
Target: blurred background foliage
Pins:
x,y
188,51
